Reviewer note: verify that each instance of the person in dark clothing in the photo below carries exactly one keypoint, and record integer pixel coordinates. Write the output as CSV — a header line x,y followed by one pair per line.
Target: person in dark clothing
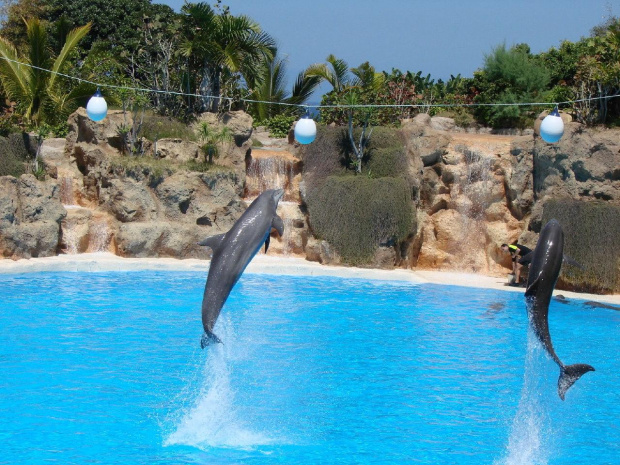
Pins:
x,y
521,256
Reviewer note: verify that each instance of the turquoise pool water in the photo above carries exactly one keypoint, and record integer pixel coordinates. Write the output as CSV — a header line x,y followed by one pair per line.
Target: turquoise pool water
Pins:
x,y
106,368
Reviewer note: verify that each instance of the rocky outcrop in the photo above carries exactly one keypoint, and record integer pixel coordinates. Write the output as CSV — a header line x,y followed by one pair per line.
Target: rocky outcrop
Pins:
x,y
133,207
471,192
30,217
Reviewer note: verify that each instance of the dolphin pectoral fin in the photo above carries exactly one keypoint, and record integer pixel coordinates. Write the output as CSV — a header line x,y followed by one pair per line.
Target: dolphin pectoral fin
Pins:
x,y
267,243
278,225
212,241
209,338
572,261
569,374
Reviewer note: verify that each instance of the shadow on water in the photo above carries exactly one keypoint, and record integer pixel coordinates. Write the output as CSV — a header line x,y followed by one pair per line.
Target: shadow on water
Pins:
x,y
530,436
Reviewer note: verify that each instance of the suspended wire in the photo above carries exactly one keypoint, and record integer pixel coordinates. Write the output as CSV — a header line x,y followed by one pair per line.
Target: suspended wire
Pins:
x,y
306,106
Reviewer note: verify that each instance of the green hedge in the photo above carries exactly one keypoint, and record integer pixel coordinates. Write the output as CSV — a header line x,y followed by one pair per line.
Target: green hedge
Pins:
x,y
13,155
356,214
325,156
592,237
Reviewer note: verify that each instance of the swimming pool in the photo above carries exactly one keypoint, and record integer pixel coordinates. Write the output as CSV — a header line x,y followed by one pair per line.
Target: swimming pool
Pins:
x,y
106,368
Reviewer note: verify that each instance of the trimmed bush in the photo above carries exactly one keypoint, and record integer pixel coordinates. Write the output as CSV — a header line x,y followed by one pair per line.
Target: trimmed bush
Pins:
x,y
13,155
356,214
390,162
325,156
592,237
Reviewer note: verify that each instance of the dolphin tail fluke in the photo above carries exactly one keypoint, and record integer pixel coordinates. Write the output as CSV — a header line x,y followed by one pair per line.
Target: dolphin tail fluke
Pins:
x,y
209,338
569,374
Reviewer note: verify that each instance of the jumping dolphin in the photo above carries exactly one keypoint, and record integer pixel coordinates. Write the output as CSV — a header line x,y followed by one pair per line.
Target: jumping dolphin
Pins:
x,y
544,272
233,251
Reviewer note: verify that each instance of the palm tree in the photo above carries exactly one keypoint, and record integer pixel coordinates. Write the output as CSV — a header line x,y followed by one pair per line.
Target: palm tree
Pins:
x,y
367,77
336,75
218,44
271,88
38,94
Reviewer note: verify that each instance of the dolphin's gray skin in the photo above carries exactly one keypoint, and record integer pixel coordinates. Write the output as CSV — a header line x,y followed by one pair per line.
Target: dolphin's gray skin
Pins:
x,y
233,251
593,304
544,272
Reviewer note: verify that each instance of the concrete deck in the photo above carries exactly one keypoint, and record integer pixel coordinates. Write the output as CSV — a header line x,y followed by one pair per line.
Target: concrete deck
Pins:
x,y
271,265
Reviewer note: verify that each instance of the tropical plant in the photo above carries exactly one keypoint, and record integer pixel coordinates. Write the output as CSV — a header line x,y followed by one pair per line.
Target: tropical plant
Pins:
x,y
117,23
280,125
509,76
136,103
220,47
212,140
41,95
270,98
335,72
598,74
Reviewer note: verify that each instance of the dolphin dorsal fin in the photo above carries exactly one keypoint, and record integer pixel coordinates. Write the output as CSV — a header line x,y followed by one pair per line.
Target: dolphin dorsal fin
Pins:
x,y
213,241
278,224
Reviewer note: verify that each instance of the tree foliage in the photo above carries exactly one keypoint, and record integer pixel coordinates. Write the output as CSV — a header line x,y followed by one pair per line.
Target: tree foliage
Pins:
x,y
41,95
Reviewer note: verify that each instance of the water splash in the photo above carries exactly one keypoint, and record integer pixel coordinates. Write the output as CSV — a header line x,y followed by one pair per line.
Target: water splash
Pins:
x,y
209,416
530,440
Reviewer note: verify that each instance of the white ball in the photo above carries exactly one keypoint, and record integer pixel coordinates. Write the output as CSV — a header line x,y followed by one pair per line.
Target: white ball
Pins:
x,y
97,108
551,128
305,130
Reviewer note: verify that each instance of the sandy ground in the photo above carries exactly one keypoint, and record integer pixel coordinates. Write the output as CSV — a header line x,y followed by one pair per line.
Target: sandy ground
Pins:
x,y
270,265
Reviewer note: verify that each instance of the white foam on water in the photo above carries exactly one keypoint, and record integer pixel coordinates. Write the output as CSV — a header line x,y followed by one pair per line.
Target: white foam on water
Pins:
x,y
209,417
530,440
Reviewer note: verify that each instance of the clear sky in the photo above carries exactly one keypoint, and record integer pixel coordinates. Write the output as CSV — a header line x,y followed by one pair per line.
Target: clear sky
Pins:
x,y
440,37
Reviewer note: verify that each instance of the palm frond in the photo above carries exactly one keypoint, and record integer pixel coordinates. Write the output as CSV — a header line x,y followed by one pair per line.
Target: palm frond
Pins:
x,y
303,88
14,76
73,38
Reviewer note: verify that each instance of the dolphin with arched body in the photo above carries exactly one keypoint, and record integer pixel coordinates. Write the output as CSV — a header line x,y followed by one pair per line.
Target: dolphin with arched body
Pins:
x,y
543,274
232,251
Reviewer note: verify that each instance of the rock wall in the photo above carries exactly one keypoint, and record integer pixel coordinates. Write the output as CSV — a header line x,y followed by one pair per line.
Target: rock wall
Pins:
x,y
471,193
30,217
90,203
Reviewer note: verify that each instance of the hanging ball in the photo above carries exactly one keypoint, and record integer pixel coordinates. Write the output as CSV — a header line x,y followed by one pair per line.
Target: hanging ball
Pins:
x,y
97,108
552,127
305,130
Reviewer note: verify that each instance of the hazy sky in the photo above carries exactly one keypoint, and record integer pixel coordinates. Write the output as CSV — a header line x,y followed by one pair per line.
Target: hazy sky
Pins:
x,y
440,37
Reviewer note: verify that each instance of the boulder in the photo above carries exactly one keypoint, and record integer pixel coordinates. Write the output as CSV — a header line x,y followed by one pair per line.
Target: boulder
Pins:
x,y
129,200
179,150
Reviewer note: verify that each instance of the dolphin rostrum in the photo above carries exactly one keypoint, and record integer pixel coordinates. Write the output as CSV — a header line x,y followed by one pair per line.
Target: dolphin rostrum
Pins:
x,y
543,274
232,251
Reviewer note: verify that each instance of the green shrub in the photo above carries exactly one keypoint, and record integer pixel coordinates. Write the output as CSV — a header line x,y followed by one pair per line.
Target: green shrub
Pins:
x,y
13,155
325,156
356,214
385,137
592,237
391,162
280,125
157,127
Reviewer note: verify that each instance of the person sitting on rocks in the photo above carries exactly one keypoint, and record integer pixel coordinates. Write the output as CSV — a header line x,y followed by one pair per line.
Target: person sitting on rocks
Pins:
x,y
521,256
